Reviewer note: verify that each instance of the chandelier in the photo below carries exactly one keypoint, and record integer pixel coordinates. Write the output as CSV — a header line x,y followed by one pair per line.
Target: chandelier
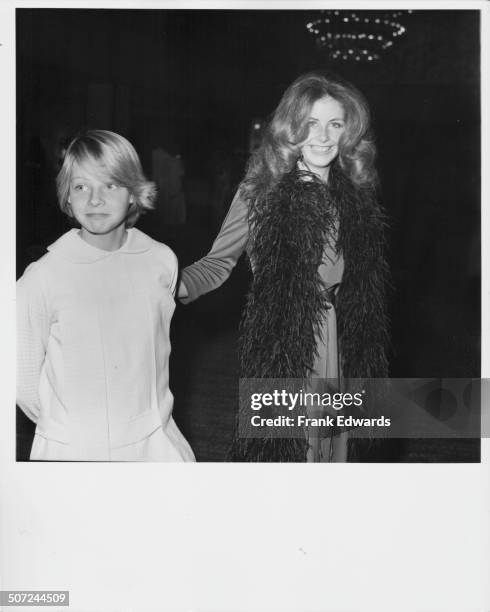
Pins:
x,y
357,36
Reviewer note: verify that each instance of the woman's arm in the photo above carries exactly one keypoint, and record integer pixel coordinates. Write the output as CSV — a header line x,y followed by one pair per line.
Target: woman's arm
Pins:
x,y
211,271
32,338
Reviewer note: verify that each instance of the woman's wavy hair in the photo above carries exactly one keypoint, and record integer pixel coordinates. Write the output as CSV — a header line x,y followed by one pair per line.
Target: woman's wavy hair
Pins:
x,y
288,129
118,159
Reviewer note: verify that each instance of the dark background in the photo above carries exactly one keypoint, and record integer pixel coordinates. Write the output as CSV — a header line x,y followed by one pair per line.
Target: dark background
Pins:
x,y
193,81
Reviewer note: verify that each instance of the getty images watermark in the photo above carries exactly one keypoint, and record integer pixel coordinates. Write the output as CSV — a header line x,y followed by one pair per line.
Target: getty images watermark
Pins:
x,y
386,408
310,409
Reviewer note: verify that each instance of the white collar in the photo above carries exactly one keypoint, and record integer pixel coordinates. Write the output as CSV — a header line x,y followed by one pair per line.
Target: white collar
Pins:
x,y
72,247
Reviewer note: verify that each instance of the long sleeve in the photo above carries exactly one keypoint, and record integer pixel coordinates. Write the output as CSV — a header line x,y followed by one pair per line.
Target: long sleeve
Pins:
x,y
212,271
175,273
32,339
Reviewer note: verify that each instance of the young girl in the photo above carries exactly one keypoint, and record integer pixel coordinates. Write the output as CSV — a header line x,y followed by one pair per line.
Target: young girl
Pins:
x,y
93,318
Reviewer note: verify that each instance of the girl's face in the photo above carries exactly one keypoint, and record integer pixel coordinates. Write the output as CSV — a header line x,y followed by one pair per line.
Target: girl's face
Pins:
x,y
99,205
326,124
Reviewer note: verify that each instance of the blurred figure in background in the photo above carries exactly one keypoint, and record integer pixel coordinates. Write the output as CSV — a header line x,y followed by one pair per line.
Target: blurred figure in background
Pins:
x,y
168,173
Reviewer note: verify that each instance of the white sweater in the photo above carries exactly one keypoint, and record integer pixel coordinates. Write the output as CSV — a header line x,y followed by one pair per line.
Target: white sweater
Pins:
x,y
93,350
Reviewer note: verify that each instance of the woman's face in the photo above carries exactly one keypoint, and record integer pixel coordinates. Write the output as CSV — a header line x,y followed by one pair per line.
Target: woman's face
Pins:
x,y
326,124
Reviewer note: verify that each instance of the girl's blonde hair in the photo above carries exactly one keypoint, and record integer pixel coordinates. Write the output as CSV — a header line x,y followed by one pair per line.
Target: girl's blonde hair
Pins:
x,y
119,160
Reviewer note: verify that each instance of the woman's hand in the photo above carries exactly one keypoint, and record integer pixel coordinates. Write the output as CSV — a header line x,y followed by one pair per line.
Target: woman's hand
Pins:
x,y
182,291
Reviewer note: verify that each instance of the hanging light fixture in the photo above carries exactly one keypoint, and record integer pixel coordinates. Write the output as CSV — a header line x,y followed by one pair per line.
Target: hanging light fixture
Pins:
x,y
357,36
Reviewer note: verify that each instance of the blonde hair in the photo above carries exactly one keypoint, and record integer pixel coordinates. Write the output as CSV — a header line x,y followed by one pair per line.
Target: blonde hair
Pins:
x,y
288,128
121,162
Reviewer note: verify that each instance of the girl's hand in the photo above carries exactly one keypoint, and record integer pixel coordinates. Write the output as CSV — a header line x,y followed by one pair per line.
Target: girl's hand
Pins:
x,y
182,291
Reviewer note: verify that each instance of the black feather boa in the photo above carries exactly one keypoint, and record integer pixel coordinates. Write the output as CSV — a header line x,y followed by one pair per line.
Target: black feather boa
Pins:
x,y
287,301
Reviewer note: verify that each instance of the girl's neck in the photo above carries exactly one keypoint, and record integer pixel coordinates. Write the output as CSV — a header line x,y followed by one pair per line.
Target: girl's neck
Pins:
x,y
105,242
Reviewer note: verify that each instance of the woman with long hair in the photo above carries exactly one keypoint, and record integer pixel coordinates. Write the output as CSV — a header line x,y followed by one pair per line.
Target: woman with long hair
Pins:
x,y
308,217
